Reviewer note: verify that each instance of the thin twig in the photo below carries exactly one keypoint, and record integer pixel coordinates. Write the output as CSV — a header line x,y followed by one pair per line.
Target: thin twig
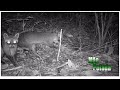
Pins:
x,y
62,65
12,69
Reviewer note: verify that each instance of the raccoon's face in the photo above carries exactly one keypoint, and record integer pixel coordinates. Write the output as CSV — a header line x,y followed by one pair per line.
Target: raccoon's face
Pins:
x,y
11,41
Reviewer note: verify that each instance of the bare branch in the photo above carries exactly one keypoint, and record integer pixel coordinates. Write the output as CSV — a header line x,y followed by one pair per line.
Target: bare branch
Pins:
x,y
108,25
98,28
59,46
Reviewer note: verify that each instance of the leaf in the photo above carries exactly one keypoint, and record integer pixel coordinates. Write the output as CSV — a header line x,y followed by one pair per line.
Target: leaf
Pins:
x,y
71,64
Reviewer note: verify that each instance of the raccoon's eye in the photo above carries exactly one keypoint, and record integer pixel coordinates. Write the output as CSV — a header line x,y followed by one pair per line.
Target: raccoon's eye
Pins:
x,y
8,42
14,41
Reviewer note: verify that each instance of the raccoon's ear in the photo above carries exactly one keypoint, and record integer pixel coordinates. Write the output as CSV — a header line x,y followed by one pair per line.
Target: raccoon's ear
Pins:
x,y
17,35
5,35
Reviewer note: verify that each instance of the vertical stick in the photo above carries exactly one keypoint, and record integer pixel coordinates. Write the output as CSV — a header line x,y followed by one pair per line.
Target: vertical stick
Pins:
x,y
23,25
59,46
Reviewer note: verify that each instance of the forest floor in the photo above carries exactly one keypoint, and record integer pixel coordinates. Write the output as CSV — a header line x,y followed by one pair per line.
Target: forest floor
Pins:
x,y
70,63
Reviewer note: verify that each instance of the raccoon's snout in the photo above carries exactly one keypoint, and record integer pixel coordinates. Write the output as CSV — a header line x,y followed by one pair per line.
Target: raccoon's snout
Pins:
x,y
12,45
